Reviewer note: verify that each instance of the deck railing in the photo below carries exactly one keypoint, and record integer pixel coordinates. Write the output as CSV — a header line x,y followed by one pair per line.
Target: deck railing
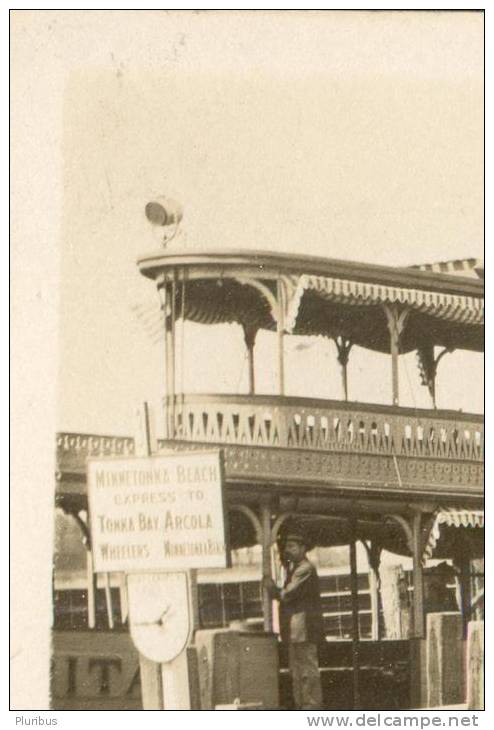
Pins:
x,y
74,448
327,426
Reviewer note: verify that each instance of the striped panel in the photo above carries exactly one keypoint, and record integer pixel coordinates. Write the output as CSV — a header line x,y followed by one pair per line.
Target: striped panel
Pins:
x,y
459,267
451,517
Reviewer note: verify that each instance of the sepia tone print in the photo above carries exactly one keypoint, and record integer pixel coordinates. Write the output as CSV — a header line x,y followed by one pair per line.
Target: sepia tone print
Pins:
x,y
270,441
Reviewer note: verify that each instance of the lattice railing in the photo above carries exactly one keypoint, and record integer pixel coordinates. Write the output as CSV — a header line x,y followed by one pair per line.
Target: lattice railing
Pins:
x,y
74,448
296,423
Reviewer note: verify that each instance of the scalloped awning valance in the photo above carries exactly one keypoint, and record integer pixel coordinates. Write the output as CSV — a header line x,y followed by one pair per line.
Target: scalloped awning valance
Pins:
x,y
452,307
316,296
439,541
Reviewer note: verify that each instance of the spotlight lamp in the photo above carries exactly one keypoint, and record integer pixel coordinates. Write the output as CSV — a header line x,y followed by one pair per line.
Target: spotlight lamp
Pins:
x,y
167,214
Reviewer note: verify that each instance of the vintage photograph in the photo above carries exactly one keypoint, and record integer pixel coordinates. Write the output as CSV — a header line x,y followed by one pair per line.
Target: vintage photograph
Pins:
x,y
269,445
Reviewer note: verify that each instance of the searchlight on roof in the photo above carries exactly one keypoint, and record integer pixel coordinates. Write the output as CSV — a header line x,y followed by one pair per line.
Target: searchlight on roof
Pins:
x,y
166,213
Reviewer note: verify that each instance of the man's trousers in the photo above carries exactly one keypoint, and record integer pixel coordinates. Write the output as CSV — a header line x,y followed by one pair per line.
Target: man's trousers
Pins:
x,y
306,681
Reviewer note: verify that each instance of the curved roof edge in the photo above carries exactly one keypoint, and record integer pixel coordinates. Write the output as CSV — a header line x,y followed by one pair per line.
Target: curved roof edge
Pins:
x,y
269,262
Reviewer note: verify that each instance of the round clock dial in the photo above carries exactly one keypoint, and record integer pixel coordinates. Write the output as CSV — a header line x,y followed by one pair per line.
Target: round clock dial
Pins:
x,y
159,614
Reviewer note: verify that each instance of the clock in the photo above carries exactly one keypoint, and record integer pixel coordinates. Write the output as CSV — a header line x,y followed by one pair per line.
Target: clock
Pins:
x,y
159,614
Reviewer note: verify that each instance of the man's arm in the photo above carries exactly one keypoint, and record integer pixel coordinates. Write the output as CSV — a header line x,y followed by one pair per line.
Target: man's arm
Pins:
x,y
272,588
296,584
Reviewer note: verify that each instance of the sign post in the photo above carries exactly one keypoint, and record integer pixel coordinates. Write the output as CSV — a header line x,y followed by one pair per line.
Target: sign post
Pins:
x,y
161,626
157,519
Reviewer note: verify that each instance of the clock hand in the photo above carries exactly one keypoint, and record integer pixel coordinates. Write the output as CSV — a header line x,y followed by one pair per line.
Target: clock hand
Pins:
x,y
159,622
162,618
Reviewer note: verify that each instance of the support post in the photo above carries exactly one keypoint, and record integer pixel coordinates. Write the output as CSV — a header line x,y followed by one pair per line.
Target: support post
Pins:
x,y
418,688
280,328
267,604
396,320
124,598
395,602
463,564
81,520
374,557
250,340
475,666
418,578
194,598
175,683
151,684
374,600
432,391
91,589
445,673
355,613
108,600
169,312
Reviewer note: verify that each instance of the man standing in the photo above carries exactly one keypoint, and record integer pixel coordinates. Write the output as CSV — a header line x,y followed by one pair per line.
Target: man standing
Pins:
x,y
301,621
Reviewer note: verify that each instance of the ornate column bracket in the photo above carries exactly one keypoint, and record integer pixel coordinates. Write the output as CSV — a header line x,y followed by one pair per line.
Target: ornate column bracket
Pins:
x,y
373,550
292,288
249,336
396,318
405,526
278,523
428,367
284,304
252,517
426,523
82,524
284,301
343,346
256,522
266,292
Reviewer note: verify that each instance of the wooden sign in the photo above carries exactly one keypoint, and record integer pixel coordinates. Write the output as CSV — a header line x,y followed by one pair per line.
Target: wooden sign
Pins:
x,y
159,614
157,513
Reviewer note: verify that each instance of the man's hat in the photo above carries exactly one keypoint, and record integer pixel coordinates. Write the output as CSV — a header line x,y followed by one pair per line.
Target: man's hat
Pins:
x,y
295,537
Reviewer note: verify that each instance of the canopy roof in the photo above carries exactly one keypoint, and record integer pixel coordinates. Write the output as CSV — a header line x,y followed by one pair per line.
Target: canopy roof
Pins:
x,y
321,296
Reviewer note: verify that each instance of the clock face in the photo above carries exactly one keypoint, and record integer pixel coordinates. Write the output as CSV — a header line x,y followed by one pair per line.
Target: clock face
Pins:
x,y
159,614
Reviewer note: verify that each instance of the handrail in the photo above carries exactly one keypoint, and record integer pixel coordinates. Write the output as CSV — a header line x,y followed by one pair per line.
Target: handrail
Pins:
x,y
327,426
301,402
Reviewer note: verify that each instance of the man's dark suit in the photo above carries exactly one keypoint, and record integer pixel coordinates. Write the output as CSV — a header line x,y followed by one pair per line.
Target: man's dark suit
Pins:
x,y
300,605
302,629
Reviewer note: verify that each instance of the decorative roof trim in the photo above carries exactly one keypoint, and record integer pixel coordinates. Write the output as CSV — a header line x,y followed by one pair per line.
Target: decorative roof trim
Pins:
x,y
453,307
458,267
451,518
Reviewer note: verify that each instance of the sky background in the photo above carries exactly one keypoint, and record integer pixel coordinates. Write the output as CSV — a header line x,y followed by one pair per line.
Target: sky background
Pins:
x,y
349,135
